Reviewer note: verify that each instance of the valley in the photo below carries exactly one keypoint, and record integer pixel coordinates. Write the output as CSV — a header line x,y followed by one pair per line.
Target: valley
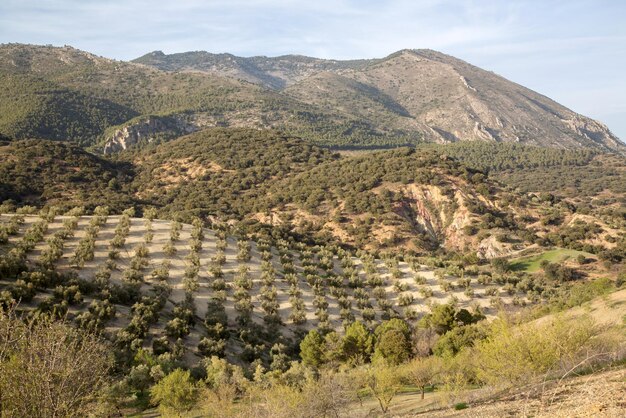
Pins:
x,y
200,234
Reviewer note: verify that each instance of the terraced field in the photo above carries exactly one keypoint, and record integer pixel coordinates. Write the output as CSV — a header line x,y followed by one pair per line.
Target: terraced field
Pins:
x,y
161,281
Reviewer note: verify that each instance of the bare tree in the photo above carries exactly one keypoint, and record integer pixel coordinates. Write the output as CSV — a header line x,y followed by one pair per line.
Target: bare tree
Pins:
x,y
49,369
383,382
329,396
422,371
11,332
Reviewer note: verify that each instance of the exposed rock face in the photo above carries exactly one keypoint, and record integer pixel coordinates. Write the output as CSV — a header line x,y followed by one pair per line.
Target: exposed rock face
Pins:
x,y
425,217
593,130
146,129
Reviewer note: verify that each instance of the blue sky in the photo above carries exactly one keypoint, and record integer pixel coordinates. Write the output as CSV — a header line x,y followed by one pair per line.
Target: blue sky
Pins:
x,y
572,51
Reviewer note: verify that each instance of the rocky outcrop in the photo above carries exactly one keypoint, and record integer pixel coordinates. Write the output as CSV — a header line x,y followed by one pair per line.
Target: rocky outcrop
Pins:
x,y
593,130
146,130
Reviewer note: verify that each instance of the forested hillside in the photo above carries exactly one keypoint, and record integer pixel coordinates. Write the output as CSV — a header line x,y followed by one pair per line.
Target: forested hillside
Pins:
x,y
420,199
49,172
409,198
569,173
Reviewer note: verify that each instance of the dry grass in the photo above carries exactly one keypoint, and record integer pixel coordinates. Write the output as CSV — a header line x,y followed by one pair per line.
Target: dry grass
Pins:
x,y
600,394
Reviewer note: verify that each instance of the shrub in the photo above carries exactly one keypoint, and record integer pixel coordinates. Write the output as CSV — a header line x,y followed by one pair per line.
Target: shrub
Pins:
x,y
176,393
518,355
368,314
243,253
297,316
426,292
419,279
379,293
500,265
133,276
212,347
63,368
177,328
405,299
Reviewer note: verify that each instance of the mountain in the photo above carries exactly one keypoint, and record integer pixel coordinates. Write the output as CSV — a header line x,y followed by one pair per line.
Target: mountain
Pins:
x,y
442,98
113,104
409,97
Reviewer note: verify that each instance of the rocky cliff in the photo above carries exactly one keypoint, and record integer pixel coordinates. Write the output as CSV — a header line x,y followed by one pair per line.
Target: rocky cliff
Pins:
x,y
146,130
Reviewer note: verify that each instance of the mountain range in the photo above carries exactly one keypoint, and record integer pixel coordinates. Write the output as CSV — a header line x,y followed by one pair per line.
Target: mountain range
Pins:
x,y
409,97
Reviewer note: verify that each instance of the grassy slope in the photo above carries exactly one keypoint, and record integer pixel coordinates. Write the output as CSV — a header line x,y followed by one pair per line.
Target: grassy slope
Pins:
x,y
532,264
595,395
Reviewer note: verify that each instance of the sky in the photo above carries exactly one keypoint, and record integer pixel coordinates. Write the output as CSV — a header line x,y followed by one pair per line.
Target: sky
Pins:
x,y
573,51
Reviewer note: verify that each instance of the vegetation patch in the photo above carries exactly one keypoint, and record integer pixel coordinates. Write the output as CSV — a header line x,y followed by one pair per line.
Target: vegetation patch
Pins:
x,y
533,264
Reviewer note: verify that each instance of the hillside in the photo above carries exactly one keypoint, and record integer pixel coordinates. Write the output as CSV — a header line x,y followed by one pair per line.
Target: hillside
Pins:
x,y
577,174
168,295
592,392
398,198
208,275
287,287
419,199
38,171
596,395
409,97
402,195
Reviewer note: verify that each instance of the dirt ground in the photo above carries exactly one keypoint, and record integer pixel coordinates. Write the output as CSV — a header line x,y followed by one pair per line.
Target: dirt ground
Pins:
x,y
595,395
